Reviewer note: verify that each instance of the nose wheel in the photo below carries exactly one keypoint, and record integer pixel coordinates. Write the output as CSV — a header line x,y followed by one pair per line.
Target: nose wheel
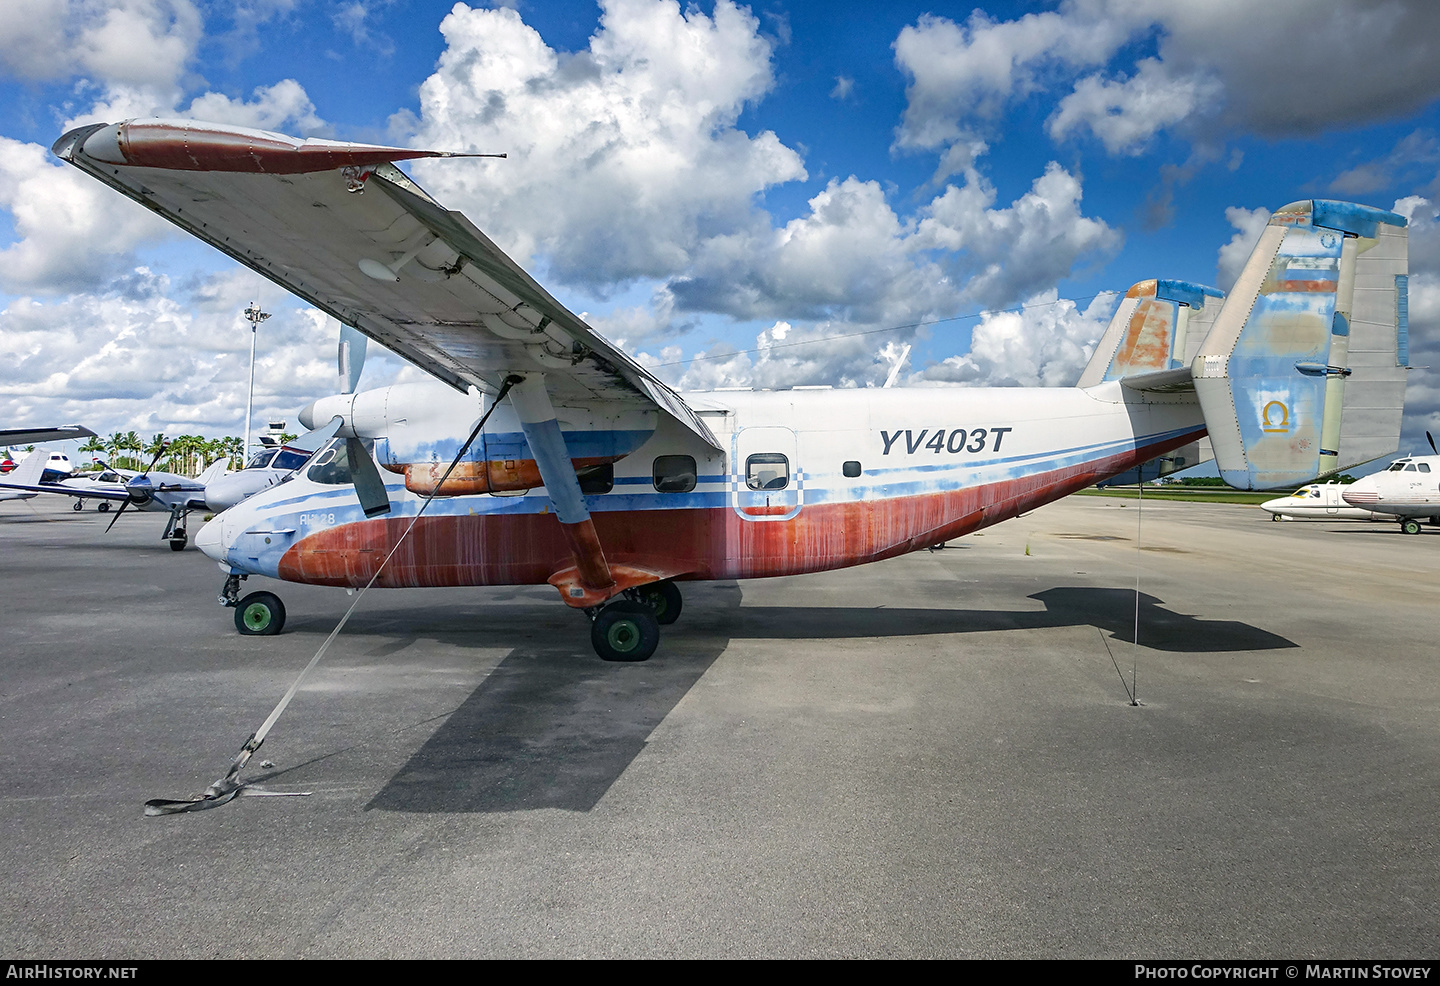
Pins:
x,y
1410,525
260,614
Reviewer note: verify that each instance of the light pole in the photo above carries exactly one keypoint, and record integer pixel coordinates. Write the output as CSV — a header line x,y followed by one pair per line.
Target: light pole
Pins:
x,y
256,316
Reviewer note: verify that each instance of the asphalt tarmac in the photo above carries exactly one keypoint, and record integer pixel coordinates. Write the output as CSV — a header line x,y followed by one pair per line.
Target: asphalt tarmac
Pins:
x,y
934,756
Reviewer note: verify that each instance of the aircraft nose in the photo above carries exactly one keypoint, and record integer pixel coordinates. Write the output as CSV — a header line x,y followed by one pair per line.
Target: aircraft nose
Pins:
x,y
211,538
1362,493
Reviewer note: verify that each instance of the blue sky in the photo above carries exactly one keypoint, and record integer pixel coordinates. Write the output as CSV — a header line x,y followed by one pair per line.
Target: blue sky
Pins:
x,y
711,180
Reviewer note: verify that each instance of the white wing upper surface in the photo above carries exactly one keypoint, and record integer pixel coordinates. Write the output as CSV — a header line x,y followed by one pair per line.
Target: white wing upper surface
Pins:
x,y
450,300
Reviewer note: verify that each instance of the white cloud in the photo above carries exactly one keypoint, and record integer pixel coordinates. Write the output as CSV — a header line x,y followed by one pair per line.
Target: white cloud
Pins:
x,y
1005,254
1222,66
284,106
73,233
1044,344
963,76
1126,113
1249,224
623,156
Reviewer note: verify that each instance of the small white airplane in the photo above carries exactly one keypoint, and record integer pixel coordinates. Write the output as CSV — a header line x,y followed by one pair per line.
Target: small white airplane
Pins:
x,y
1409,489
1318,501
109,479
571,464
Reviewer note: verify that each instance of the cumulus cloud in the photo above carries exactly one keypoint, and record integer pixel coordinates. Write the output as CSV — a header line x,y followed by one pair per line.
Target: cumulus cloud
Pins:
x,y
1005,254
1249,224
284,106
964,76
72,232
1222,66
1045,344
623,156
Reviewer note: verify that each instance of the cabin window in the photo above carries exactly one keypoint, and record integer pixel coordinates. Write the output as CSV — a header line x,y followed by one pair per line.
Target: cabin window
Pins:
x,y
851,469
767,471
674,473
595,480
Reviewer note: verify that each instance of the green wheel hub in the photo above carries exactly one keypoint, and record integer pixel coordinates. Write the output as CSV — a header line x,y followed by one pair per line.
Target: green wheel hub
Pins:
x,y
257,617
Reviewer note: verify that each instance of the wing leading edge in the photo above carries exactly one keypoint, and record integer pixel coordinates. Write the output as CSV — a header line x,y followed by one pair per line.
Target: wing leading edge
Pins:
x,y
341,227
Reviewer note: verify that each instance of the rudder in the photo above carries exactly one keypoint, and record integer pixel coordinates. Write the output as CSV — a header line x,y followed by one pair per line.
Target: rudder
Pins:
x,y
1303,373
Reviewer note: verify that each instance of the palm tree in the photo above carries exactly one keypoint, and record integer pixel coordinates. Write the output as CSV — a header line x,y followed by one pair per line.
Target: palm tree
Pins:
x,y
133,444
94,444
114,445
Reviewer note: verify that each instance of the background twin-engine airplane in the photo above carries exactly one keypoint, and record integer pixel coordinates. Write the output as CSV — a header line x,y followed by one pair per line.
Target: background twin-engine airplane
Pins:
x,y
564,461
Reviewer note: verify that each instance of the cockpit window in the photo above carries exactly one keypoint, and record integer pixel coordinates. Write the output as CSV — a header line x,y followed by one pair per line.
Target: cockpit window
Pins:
x,y
261,459
332,465
1397,466
289,459
1423,467
1411,468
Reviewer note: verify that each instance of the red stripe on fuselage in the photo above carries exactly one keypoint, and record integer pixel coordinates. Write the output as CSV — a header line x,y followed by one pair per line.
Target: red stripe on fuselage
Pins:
x,y
526,549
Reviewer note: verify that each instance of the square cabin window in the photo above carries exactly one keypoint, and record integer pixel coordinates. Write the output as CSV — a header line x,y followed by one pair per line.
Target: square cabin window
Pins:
x,y
767,471
674,473
851,469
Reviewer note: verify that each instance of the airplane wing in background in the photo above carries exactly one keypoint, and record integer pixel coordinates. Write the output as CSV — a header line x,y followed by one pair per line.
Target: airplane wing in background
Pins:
x,y
340,226
35,436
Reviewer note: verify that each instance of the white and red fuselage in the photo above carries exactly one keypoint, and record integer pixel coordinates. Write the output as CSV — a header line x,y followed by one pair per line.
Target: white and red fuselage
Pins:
x,y
807,480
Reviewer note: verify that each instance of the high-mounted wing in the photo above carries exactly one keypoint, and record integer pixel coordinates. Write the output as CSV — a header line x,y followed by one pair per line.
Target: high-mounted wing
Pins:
x,y
32,436
340,226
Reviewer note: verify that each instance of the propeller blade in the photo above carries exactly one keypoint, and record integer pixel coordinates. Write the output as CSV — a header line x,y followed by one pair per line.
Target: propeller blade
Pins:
x,y
352,358
123,505
1432,443
368,486
312,441
159,452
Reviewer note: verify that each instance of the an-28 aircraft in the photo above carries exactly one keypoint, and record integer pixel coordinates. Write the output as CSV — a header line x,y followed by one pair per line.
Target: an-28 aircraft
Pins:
x,y
593,476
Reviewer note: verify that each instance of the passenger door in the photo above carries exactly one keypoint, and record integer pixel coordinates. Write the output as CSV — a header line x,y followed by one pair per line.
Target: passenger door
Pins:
x,y
766,482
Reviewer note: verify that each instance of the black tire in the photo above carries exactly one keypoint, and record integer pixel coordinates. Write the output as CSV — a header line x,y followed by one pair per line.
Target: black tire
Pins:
x,y
623,631
260,614
104,507
78,505
664,598
178,544
1410,525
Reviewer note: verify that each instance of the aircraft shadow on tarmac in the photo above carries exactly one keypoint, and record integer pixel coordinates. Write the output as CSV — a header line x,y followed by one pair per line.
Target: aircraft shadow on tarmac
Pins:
x,y
549,728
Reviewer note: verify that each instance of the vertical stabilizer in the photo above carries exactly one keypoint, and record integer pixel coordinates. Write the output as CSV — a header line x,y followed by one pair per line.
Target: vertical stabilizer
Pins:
x,y
1303,373
1158,325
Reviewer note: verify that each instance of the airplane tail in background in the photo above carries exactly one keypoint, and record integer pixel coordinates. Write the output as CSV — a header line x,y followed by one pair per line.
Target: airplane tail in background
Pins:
x,y
1303,373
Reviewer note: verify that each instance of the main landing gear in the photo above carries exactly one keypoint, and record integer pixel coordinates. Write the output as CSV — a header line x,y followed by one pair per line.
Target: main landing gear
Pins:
x,y
628,627
1410,525
175,529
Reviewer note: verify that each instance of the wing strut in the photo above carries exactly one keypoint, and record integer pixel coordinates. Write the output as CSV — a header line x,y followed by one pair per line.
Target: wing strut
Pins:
x,y
532,405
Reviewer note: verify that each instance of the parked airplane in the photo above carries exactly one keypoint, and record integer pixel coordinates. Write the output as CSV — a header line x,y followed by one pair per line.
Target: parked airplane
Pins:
x,y
1409,489
595,477
1318,501
108,479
